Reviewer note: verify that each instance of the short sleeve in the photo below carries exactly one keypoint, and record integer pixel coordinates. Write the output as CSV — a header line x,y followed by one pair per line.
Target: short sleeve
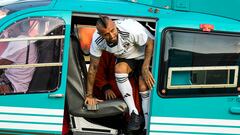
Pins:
x,y
139,35
94,48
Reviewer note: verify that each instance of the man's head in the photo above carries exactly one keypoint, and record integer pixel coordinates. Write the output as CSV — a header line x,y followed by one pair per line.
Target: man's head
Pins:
x,y
107,29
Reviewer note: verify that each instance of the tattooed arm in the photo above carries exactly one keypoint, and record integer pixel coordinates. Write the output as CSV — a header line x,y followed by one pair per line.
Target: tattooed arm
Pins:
x,y
94,61
146,74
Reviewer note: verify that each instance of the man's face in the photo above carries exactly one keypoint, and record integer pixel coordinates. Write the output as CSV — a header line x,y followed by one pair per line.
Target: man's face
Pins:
x,y
110,34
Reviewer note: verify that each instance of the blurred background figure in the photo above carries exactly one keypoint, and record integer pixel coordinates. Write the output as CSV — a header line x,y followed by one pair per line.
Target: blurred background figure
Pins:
x,y
14,80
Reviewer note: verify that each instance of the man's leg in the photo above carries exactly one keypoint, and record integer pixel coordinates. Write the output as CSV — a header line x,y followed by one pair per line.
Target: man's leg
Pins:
x,y
121,73
145,95
124,85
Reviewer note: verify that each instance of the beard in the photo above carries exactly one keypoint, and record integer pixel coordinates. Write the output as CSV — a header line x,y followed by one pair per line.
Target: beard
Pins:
x,y
111,44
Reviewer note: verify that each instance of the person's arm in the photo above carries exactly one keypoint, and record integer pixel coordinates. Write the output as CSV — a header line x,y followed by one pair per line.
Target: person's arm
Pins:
x,y
11,53
143,37
146,74
104,74
5,62
94,61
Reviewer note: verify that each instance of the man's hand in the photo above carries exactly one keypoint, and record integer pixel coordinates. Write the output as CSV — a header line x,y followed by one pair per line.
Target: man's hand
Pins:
x,y
148,77
5,89
109,94
92,101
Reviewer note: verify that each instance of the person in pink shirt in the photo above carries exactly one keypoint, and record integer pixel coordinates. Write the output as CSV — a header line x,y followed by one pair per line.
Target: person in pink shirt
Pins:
x,y
14,80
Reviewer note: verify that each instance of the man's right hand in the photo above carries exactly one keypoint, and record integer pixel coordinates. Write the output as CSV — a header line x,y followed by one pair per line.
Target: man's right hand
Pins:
x,y
109,94
92,101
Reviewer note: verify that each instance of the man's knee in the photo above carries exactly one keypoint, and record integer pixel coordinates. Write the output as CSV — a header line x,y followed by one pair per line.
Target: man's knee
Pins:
x,y
142,85
122,67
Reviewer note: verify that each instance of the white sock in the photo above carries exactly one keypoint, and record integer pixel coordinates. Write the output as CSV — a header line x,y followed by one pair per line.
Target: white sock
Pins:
x,y
125,88
145,105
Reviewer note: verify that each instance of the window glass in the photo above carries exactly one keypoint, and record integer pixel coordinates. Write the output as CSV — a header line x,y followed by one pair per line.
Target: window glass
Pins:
x,y
197,63
31,55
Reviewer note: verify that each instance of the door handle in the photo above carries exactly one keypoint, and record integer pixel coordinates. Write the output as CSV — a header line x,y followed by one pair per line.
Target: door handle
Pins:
x,y
55,96
235,110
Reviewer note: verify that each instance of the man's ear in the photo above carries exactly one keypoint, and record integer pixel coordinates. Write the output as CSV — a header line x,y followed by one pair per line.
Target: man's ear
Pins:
x,y
99,33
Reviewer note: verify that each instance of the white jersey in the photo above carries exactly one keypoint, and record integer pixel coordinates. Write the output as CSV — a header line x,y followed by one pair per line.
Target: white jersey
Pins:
x,y
16,52
132,38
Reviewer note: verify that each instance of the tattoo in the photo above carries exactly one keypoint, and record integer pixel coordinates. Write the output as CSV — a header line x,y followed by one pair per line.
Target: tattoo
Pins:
x,y
148,51
94,61
148,56
146,74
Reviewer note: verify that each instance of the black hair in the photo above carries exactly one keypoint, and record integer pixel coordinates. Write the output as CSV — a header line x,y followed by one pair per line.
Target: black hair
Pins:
x,y
103,21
